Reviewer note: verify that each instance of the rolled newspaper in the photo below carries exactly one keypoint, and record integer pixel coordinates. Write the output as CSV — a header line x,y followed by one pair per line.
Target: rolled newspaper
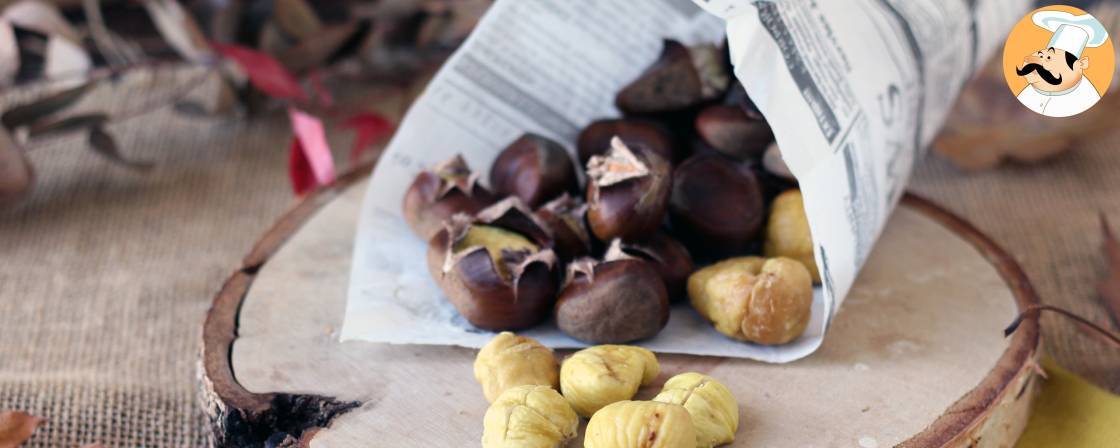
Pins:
x,y
854,92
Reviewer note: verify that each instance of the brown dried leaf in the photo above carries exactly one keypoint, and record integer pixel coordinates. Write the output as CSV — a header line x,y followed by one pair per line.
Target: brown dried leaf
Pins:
x,y
179,29
16,427
9,53
15,173
41,17
29,113
67,124
296,18
104,144
1109,286
66,60
315,50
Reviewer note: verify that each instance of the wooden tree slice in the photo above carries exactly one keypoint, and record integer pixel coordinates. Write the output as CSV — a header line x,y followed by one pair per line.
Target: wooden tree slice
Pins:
x,y
916,356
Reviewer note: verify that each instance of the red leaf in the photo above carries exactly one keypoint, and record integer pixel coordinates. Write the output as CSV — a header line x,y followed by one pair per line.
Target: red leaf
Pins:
x,y
1109,286
16,427
265,73
369,128
320,90
309,161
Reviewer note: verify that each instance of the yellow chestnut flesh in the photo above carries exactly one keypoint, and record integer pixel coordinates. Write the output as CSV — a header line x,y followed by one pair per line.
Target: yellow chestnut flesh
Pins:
x,y
597,376
509,361
529,417
495,240
715,414
787,232
647,424
766,301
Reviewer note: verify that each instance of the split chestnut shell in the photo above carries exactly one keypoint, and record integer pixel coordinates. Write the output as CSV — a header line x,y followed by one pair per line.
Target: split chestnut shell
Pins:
x,y
627,192
496,267
440,192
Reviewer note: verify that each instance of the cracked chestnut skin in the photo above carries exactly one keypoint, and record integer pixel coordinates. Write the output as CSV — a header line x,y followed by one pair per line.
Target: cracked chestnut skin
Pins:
x,y
628,192
670,258
438,193
612,302
595,139
717,207
566,218
680,78
496,288
533,168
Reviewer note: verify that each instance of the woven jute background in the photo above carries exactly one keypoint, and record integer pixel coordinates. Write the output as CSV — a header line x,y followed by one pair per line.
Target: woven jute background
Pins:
x,y
106,274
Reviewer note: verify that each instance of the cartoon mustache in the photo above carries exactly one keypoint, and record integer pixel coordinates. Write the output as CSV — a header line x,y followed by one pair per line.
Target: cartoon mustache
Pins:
x,y
1042,72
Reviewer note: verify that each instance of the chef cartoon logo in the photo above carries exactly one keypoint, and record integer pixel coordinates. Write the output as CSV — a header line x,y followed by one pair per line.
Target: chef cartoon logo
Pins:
x,y
1058,61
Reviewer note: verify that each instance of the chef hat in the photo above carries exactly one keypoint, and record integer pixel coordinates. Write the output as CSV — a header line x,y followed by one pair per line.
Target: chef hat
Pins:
x,y
1071,33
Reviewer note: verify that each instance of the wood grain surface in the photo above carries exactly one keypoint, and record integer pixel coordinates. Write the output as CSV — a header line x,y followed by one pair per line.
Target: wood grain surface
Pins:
x,y
915,357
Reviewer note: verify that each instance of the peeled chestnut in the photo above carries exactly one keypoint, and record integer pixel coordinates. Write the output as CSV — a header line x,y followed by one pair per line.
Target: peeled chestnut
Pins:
x,y
612,302
445,190
565,217
730,131
595,139
680,78
717,206
668,256
534,169
627,192
496,267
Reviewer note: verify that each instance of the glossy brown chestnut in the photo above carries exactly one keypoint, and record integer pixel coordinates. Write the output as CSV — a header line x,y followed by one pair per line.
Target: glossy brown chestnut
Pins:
x,y
627,192
612,302
668,256
534,169
440,192
730,131
717,208
496,267
680,78
565,217
595,139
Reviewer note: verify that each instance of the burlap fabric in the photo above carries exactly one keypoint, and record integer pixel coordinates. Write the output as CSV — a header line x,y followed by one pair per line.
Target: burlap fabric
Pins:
x,y
106,274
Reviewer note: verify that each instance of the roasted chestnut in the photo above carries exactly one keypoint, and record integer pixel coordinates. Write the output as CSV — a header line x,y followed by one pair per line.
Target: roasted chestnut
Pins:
x,y
682,77
717,207
496,267
730,131
612,302
595,139
534,169
565,217
668,256
627,192
440,192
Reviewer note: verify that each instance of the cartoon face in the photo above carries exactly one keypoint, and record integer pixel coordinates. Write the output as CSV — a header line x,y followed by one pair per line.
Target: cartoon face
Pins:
x,y
1052,69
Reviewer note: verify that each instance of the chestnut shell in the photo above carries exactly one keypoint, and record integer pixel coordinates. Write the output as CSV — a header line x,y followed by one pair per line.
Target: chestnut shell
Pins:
x,y
566,218
727,129
632,208
595,139
622,301
671,83
717,207
430,200
534,169
671,259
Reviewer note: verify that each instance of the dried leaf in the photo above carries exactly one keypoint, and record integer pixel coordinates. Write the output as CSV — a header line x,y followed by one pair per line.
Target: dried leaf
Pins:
x,y
317,49
179,29
16,427
310,163
115,49
296,18
104,144
9,53
265,73
66,60
67,124
368,129
15,176
1109,286
41,17
29,113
